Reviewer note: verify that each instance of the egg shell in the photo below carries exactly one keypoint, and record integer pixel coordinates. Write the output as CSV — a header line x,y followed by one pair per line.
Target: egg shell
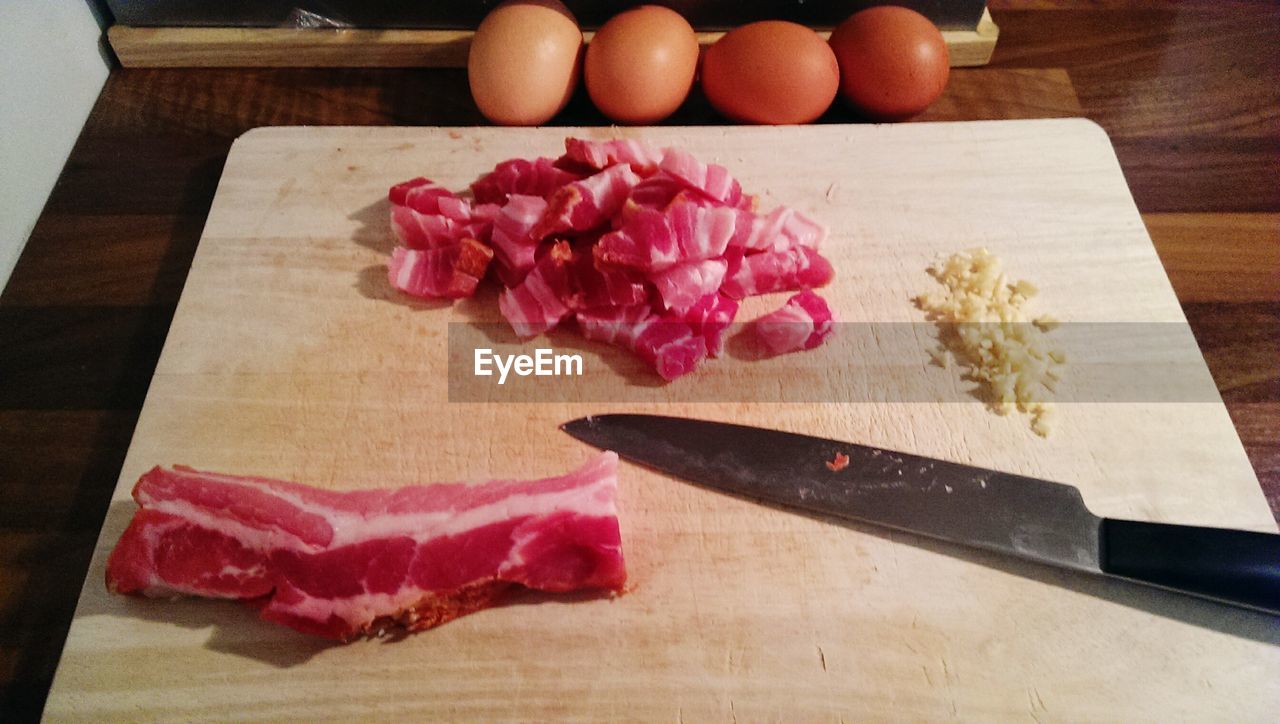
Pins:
x,y
893,62
524,62
770,72
640,64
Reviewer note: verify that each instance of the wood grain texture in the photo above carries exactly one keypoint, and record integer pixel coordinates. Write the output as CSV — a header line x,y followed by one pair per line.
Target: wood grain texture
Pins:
x,y
155,144
55,467
192,47
1219,257
735,609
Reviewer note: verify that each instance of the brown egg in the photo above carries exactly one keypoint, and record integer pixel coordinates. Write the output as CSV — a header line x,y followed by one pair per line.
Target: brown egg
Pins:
x,y
524,62
640,64
893,62
771,72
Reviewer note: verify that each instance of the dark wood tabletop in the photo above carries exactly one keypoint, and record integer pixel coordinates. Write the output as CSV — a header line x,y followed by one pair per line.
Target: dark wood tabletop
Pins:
x,y
1187,92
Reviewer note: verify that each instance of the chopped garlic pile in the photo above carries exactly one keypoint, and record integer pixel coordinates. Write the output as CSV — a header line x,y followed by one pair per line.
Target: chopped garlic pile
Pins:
x,y
991,335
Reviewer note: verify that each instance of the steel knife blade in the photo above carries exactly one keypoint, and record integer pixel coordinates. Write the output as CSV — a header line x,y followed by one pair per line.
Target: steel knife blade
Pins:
x,y
1034,519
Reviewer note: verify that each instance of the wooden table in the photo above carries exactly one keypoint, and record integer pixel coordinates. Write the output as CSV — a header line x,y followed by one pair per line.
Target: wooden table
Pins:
x,y
1187,94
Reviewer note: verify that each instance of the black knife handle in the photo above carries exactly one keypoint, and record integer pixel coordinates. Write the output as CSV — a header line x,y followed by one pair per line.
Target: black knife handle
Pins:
x,y
1234,566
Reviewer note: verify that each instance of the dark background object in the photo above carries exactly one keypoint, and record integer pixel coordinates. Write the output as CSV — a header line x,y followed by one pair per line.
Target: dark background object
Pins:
x,y
466,14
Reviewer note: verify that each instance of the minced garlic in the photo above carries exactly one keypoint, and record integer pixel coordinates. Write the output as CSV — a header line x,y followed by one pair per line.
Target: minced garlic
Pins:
x,y
992,337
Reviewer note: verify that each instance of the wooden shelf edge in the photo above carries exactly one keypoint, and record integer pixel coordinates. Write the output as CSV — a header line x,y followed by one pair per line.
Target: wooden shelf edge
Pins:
x,y
138,47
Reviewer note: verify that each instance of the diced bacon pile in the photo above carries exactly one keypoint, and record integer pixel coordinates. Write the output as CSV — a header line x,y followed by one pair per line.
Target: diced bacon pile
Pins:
x,y
648,249
348,564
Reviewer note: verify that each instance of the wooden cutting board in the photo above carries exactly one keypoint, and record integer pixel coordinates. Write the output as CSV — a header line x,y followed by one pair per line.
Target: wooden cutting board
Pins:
x,y
290,357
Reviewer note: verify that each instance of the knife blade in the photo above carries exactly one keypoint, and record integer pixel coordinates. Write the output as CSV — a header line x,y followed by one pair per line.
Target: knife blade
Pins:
x,y
1034,519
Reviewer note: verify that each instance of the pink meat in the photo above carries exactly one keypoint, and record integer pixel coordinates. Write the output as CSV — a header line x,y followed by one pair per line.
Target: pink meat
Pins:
x,y
709,178
539,177
657,190
648,249
800,230
645,242
617,326
347,564
759,233
804,322
511,240
651,240
452,272
588,203
668,343
702,232
777,271
420,194
670,346
680,287
711,317
600,155
592,286
427,216
537,304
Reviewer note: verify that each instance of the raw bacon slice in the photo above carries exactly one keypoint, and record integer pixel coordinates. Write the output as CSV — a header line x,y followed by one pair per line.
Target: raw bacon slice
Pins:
x,y
452,272
599,155
536,305
681,287
777,271
511,239
588,203
347,564
711,317
539,177
804,322
709,178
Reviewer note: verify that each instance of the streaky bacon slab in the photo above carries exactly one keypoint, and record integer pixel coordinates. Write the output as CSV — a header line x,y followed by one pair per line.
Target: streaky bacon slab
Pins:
x,y
348,564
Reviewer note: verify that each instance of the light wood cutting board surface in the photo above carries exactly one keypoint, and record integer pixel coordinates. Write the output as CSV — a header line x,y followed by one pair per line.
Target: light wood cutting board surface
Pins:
x,y
290,357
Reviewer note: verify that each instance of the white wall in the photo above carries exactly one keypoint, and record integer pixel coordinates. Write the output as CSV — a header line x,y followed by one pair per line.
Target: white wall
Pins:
x,y
51,69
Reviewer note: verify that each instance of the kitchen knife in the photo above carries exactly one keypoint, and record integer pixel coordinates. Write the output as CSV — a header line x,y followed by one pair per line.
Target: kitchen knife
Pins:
x,y
1033,519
